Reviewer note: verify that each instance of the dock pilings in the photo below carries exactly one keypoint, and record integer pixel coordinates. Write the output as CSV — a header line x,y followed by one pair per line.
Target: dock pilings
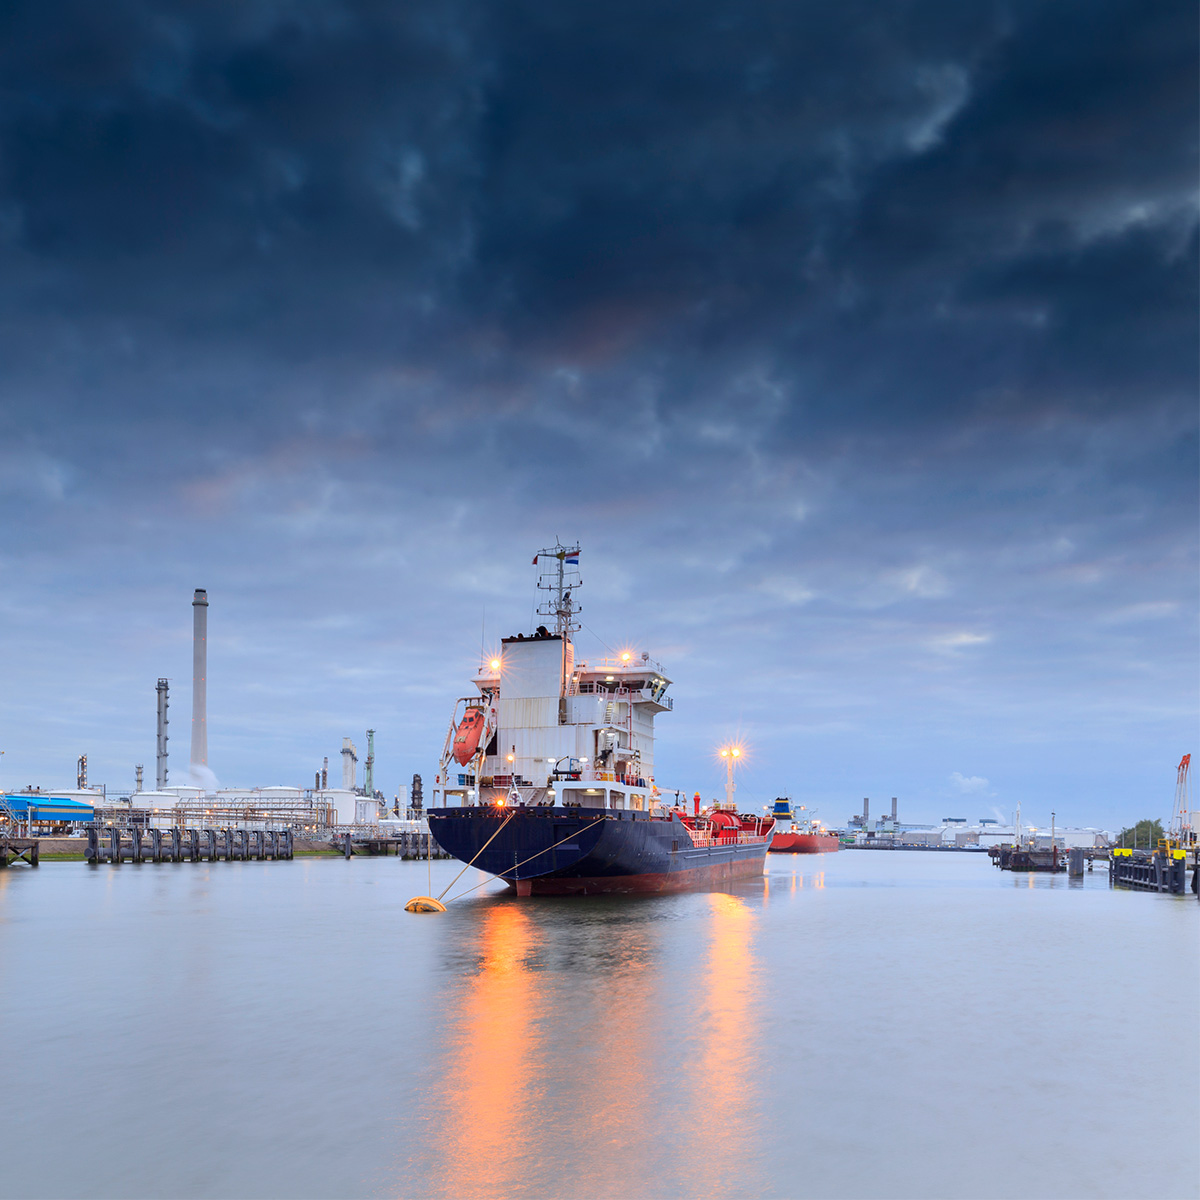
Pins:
x,y
17,849
1157,872
114,844
138,843
402,845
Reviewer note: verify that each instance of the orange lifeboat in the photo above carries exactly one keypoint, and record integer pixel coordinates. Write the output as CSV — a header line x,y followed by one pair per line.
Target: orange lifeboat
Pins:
x,y
466,739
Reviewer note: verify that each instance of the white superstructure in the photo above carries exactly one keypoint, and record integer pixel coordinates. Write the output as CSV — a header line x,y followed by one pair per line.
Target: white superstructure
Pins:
x,y
583,731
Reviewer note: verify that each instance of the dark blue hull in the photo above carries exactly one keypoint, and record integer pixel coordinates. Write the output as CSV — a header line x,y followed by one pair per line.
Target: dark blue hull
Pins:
x,y
561,851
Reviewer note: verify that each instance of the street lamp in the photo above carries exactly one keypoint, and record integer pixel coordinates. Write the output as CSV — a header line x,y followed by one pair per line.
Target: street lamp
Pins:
x,y
730,754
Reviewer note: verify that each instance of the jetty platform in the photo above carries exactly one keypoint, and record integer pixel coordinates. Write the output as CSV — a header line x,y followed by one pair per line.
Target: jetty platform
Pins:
x,y
1160,871
19,849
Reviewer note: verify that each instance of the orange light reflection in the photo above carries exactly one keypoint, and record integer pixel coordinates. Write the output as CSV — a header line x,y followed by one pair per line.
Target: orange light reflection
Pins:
x,y
730,1053
487,1091
519,1079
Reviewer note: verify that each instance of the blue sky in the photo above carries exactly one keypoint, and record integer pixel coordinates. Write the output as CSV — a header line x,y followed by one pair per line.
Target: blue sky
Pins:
x,y
857,347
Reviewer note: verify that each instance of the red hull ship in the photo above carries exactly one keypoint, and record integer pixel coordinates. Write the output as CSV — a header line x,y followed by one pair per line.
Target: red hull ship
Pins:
x,y
804,843
807,839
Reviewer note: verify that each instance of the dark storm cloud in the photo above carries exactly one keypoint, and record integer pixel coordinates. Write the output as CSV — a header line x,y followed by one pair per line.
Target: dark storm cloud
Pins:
x,y
894,211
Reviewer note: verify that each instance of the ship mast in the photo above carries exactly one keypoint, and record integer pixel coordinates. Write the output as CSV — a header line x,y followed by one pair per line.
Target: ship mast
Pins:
x,y
557,582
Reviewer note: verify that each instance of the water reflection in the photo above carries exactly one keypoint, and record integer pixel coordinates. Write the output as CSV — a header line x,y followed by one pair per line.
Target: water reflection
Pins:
x,y
601,1047
794,880
727,1122
491,1080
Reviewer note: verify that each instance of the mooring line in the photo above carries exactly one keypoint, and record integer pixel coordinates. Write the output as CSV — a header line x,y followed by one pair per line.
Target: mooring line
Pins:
x,y
523,861
482,848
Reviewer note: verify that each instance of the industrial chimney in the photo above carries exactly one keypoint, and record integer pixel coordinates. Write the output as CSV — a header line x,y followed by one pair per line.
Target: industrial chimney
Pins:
x,y
160,774
893,810
200,678
866,811
349,764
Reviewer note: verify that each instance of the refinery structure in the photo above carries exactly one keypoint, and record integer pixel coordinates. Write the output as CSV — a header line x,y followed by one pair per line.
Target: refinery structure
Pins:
x,y
959,833
319,810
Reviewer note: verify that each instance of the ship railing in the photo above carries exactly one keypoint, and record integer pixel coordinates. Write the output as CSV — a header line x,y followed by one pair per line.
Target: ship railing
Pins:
x,y
639,665
740,839
633,695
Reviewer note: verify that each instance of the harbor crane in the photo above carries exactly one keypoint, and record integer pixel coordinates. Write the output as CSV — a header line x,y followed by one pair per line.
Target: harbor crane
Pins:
x,y
1181,835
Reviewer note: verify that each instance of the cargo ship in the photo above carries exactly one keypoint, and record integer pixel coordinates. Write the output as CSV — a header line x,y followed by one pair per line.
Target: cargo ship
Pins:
x,y
804,837
547,773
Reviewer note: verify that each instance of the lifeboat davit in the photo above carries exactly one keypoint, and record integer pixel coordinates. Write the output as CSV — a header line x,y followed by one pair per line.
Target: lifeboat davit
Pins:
x,y
466,738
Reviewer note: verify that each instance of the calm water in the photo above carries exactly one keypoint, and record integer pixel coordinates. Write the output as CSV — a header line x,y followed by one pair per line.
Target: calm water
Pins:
x,y
855,1025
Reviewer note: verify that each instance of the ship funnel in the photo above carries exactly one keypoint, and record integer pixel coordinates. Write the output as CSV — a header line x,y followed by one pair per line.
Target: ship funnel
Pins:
x,y
200,678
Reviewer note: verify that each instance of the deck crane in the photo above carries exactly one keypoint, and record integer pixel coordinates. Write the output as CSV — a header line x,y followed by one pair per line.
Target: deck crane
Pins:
x,y
1182,836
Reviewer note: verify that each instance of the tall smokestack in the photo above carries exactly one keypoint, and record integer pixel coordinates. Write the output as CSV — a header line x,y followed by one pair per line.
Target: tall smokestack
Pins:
x,y
893,810
866,810
200,678
349,764
160,773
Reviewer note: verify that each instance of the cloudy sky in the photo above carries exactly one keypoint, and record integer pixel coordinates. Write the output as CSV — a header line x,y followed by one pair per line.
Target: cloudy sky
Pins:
x,y
856,343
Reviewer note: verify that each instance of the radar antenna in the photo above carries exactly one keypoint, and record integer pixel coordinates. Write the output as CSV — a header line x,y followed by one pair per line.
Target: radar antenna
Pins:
x,y
559,577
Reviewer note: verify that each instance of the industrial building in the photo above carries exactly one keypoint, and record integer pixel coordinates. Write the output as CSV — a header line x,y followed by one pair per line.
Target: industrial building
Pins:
x,y
956,833
318,809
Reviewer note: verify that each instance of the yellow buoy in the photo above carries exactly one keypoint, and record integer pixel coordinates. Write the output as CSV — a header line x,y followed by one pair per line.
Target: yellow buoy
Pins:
x,y
424,904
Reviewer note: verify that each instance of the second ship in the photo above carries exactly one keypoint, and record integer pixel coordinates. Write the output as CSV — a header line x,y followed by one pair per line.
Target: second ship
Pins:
x,y
547,774
807,837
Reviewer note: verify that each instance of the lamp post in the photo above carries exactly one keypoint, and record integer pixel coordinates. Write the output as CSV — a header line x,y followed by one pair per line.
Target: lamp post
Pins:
x,y
730,754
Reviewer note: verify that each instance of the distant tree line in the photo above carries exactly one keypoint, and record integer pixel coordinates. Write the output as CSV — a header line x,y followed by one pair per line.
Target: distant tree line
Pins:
x,y
1144,835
